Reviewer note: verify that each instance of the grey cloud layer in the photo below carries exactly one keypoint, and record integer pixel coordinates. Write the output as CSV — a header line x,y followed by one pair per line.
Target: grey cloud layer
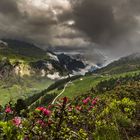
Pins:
x,y
113,25
22,21
106,21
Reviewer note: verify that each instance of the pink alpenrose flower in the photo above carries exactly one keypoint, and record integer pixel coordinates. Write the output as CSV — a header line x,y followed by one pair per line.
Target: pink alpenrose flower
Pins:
x,y
44,110
94,102
8,109
85,101
17,121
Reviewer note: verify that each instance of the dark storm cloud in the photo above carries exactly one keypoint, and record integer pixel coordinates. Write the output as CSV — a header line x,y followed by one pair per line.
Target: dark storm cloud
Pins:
x,y
135,5
25,22
106,21
38,24
111,26
9,7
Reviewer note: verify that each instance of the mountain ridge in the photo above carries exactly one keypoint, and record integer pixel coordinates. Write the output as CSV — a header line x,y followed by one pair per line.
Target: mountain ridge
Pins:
x,y
36,60
124,64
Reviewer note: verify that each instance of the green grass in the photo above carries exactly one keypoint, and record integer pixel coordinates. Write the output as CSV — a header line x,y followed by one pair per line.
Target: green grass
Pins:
x,y
21,58
80,86
29,87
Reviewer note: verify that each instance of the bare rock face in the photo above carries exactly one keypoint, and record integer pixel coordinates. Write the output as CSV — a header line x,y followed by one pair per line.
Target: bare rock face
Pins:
x,y
23,70
70,63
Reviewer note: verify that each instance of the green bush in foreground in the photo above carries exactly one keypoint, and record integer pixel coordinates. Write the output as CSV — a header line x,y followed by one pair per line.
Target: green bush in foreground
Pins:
x,y
85,118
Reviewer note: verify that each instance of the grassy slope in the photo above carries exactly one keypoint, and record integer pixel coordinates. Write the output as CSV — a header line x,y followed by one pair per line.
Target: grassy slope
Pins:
x,y
79,87
24,49
12,56
28,87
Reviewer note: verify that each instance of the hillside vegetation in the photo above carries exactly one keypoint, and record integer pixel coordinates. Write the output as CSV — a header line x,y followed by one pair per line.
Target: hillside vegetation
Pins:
x,y
112,109
125,64
22,50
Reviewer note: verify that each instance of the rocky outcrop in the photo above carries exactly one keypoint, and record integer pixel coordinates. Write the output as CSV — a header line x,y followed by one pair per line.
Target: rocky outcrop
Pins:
x,y
25,59
70,63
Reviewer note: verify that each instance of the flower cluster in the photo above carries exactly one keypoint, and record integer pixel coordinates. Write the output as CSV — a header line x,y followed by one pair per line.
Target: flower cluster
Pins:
x,y
50,120
44,110
86,105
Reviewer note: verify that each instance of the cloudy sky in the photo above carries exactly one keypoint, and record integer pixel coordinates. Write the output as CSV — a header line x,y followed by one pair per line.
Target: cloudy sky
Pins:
x,y
93,27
